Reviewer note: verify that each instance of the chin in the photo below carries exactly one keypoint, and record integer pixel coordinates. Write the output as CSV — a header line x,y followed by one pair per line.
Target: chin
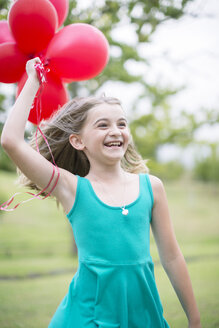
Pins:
x,y
115,158
114,155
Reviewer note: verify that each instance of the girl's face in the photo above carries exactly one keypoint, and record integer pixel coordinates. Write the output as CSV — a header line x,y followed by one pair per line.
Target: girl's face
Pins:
x,y
105,135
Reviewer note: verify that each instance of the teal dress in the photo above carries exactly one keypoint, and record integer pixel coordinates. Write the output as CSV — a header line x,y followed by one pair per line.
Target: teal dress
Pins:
x,y
114,286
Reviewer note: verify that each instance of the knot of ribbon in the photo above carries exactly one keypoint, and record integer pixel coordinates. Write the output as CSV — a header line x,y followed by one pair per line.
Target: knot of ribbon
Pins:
x,y
41,72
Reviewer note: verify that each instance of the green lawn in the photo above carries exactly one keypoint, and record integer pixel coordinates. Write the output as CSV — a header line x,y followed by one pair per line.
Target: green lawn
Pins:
x,y
36,251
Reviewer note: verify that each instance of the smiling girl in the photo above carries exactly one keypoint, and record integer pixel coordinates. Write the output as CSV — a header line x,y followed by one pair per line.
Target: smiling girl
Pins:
x,y
111,203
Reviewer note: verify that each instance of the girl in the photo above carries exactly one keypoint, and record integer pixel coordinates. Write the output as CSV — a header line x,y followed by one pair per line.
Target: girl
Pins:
x,y
110,201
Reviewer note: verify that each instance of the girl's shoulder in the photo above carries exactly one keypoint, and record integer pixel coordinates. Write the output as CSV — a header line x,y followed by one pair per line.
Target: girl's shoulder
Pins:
x,y
157,187
155,181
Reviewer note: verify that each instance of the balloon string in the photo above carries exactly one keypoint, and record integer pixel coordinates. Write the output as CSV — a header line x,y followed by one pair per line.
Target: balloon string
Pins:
x,y
41,73
7,203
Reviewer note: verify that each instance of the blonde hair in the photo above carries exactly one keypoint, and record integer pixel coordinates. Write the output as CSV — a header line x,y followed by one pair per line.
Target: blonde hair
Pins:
x,y
68,120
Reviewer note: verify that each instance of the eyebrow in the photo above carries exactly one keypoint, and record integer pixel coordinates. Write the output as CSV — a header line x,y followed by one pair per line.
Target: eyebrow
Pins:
x,y
106,119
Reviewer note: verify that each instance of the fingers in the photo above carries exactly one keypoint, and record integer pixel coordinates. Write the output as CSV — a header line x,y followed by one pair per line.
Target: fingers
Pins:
x,y
30,66
37,60
33,61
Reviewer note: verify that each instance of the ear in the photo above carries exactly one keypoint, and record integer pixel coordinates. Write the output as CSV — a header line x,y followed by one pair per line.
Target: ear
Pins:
x,y
76,141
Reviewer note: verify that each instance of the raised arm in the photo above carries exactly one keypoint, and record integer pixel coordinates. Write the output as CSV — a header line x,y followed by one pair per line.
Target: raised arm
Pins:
x,y
30,162
171,255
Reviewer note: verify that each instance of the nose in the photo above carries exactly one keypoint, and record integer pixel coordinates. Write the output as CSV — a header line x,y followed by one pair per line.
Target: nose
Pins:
x,y
114,131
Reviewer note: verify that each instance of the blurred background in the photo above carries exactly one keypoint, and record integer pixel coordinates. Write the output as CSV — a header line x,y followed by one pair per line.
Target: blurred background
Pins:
x,y
164,67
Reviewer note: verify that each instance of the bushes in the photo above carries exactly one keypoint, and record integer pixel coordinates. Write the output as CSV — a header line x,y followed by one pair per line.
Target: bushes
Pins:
x,y
207,170
168,171
6,163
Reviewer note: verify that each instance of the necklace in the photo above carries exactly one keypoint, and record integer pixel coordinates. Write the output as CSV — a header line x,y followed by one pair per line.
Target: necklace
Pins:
x,y
125,211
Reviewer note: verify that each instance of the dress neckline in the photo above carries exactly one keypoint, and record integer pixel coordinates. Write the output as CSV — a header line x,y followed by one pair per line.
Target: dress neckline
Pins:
x,y
116,207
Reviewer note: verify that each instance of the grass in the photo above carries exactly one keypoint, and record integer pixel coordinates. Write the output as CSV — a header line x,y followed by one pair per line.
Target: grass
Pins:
x,y
36,241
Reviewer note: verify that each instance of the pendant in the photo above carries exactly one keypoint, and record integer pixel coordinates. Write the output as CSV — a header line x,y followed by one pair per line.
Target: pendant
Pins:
x,y
125,211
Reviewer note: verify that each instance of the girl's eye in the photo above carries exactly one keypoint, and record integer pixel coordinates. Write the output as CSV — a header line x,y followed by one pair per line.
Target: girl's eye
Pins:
x,y
102,125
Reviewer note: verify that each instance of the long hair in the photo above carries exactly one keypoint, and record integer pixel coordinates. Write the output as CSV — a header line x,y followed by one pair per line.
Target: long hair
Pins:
x,y
68,120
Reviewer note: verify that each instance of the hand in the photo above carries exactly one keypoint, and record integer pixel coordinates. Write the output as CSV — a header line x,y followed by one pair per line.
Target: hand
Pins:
x,y
30,69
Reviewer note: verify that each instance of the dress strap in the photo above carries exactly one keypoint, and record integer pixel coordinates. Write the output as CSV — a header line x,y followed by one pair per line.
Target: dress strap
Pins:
x,y
150,188
77,195
147,192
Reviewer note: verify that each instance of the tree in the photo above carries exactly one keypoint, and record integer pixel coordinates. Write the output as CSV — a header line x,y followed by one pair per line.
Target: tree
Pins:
x,y
207,169
4,5
5,101
163,127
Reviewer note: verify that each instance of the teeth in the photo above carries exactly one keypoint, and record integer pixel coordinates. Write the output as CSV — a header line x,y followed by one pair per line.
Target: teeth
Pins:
x,y
113,144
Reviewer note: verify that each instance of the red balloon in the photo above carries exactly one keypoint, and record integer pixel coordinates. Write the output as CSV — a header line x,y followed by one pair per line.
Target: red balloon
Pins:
x,y
33,24
12,62
5,33
54,94
61,7
78,52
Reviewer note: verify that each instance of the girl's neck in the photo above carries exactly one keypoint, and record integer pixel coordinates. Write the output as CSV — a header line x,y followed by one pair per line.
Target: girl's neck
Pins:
x,y
108,173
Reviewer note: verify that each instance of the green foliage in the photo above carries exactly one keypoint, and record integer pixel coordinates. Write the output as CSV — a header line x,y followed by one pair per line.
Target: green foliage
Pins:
x,y
2,99
5,163
153,130
163,127
4,5
208,169
171,170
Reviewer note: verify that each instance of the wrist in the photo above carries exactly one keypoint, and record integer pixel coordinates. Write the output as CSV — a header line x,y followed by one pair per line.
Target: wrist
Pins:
x,y
34,81
197,325
195,322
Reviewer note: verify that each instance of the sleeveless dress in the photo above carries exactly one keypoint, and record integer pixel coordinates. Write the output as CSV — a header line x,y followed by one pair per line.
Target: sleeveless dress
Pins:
x,y
114,286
